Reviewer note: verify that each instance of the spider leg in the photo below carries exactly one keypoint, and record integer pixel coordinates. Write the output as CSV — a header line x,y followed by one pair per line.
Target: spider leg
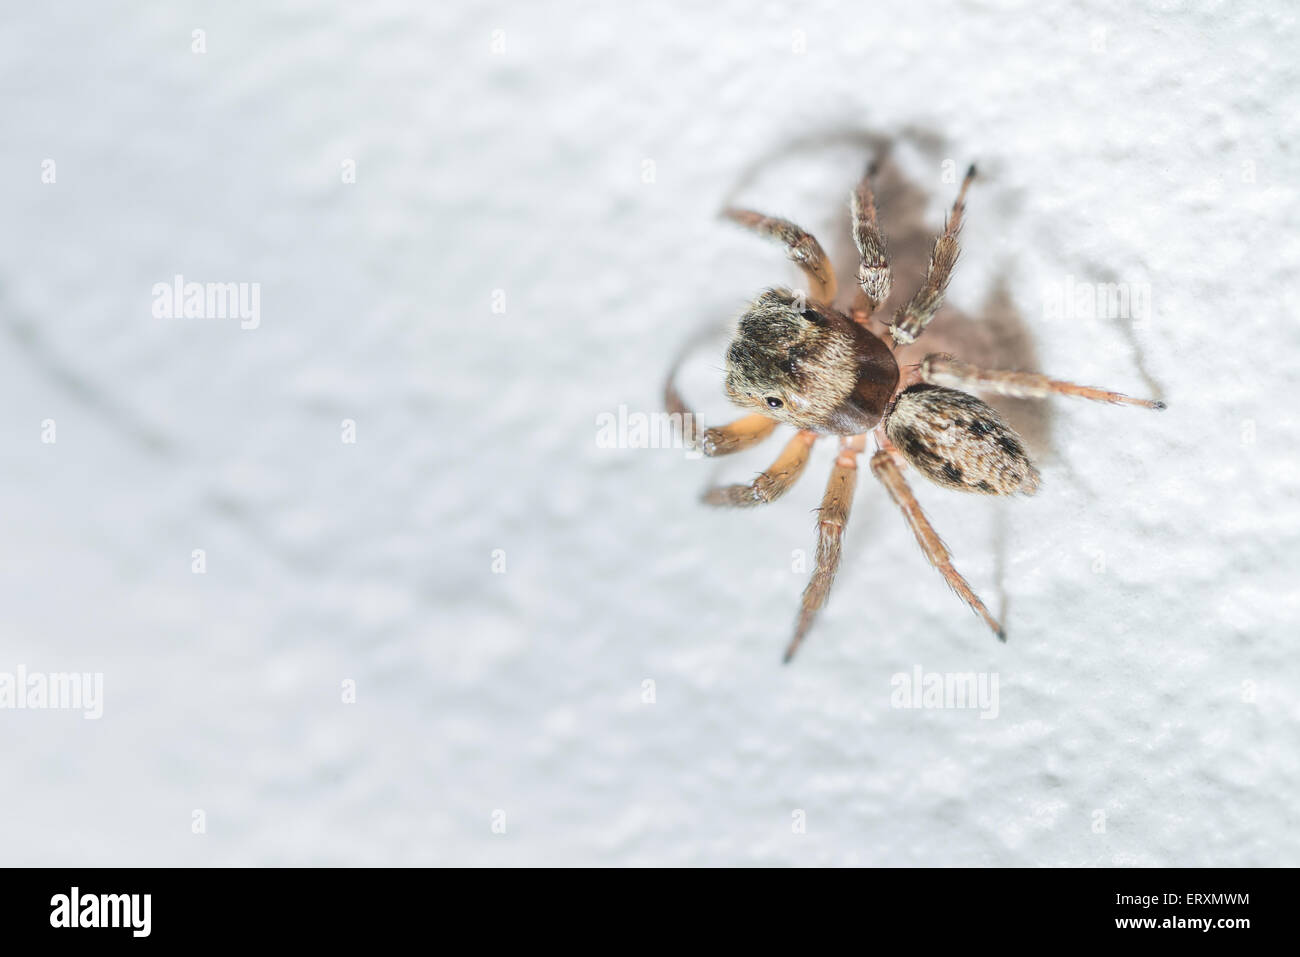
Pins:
x,y
940,369
910,320
800,246
737,436
873,271
885,467
831,519
772,484
745,432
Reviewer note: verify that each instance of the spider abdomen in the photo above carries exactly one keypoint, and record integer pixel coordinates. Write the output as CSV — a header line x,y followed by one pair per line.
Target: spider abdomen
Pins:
x,y
960,442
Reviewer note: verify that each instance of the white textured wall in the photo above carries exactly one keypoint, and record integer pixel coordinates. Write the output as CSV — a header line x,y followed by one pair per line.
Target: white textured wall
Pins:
x,y
1153,146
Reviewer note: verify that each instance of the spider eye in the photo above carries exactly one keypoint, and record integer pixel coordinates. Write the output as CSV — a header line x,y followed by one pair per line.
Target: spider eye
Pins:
x,y
773,402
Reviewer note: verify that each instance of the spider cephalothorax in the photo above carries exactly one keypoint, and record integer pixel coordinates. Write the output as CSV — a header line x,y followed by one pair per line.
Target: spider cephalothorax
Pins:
x,y
809,365
798,360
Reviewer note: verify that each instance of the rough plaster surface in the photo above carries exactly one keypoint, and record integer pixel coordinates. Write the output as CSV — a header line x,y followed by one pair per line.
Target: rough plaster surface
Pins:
x,y
1148,590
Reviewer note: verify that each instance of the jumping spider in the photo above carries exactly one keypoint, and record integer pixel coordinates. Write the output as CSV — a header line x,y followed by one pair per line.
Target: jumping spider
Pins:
x,y
802,362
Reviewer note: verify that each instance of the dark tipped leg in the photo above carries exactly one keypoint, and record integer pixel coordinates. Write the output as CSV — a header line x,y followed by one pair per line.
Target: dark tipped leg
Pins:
x,y
886,469
939,369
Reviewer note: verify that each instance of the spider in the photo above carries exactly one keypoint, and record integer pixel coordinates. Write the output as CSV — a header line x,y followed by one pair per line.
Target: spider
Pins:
x,y
796,359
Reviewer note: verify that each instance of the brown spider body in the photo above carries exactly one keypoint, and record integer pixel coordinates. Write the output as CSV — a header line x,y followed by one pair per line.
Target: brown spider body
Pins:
x,y
796,359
